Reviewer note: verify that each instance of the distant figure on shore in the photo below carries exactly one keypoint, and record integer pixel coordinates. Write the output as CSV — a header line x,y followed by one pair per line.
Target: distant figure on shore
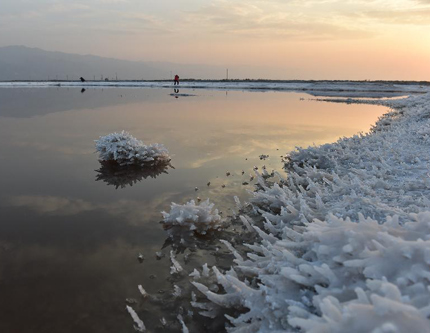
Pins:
x,y
82,79
176,82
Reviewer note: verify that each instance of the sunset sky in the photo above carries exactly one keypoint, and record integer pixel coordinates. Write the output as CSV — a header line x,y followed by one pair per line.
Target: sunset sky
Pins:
x,y
304,39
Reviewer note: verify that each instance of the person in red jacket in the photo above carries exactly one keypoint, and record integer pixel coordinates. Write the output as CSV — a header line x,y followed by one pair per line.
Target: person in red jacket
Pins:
x,y
176,82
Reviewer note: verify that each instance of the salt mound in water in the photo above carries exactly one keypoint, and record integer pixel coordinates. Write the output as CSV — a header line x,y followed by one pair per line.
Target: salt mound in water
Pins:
x,y
200,218
124,149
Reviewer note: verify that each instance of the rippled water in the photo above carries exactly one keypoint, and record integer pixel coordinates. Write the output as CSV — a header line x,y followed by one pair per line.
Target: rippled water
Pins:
x,y
71,230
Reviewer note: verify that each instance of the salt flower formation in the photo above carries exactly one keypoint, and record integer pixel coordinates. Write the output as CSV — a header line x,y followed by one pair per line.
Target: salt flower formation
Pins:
x,y
122,148
344,239
199,218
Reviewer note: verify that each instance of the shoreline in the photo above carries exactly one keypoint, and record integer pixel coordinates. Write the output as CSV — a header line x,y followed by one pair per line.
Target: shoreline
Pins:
x,y
345,237
371,89
342,240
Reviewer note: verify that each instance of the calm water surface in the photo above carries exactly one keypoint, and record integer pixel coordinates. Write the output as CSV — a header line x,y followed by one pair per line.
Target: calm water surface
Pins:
x,y
70,232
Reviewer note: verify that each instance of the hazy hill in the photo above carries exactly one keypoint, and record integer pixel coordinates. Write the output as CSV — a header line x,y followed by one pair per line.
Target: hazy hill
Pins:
x,y
24,63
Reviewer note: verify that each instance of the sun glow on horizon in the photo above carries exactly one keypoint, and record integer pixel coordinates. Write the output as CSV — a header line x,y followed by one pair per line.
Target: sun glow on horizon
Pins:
x,y
306,39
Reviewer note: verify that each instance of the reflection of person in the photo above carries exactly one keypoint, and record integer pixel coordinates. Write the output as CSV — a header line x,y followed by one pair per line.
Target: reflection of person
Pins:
x,y
176,82
175,92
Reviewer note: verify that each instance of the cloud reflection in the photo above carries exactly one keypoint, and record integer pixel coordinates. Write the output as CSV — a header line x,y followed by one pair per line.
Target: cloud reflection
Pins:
x,y
51,204
131,211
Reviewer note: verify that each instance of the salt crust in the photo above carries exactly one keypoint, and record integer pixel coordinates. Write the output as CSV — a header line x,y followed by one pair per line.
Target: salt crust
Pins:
x,y
125,150
345,240
196,217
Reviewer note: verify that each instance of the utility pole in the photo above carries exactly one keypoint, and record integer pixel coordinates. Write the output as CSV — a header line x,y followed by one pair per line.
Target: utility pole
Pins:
x,y
116,76
227,73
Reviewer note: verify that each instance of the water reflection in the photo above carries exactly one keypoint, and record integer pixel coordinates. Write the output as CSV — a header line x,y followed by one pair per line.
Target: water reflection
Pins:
x,y
27,102
176,94
57,206
181,238
127,211
122,176
68,246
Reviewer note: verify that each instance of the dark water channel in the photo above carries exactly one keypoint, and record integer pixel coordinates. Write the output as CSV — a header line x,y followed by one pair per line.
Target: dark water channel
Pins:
x,y
70,233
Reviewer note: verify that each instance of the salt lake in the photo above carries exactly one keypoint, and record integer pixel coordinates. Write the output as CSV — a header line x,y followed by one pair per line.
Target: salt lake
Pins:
x,y
71,231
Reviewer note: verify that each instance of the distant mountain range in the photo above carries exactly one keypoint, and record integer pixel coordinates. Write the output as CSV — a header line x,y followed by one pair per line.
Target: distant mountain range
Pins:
x,y
24,63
